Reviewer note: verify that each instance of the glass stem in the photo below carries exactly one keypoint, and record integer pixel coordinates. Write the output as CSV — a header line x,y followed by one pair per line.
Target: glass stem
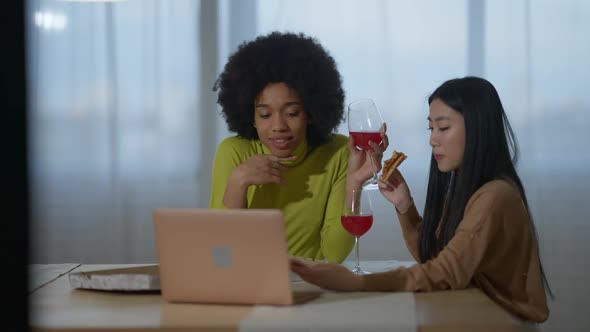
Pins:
x,y
375,178
356,244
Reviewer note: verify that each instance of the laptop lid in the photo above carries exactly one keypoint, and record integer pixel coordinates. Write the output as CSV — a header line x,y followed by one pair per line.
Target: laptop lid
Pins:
x,y
226,256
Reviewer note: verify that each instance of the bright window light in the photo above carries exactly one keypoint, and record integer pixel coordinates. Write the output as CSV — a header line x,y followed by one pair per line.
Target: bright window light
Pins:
x,y
50,21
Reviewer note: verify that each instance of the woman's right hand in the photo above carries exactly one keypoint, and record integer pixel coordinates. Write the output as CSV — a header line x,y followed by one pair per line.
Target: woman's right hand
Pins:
x,y
260,169
396,191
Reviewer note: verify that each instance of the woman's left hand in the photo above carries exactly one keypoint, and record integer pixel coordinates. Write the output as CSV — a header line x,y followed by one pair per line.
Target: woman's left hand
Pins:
x,y
328,276
360,168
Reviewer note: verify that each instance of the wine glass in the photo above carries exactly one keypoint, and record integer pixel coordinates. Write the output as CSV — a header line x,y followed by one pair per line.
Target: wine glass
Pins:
x,y
357,219
364,125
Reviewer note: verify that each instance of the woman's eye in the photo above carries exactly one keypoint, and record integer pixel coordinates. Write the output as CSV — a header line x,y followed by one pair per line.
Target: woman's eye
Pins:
x,y
293,114
439,129
264,116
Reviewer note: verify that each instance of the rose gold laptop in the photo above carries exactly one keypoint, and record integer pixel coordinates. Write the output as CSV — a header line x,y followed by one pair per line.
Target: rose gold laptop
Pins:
x,y
230,256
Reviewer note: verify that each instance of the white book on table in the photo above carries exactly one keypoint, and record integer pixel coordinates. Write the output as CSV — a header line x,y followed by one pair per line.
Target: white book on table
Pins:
x,y
139,278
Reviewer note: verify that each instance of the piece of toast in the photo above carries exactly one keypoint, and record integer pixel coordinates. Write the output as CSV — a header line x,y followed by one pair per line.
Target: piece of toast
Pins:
x,y
391,164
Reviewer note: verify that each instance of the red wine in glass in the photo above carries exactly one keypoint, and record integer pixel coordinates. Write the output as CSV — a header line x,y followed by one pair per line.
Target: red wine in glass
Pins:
x,y
364,125
362,138
357,219
357,225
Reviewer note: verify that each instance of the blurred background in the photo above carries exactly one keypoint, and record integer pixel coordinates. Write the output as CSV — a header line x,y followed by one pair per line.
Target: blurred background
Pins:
x,y
122,117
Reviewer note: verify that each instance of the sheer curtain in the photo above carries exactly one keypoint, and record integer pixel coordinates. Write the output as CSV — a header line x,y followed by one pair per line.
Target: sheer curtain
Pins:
x,y
115,127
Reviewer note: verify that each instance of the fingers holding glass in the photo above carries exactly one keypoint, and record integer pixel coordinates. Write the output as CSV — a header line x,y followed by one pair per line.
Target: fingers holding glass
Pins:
x,y
384,137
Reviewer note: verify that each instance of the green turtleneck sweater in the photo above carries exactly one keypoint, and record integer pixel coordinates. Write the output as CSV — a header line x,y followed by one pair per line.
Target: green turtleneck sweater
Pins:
x,y
311,200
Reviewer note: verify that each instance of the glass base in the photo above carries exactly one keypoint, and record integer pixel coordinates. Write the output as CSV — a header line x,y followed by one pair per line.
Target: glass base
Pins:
x,y
370,186
357,270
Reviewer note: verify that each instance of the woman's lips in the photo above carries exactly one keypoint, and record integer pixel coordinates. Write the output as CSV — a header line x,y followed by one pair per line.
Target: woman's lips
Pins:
x,y
438,157
280,143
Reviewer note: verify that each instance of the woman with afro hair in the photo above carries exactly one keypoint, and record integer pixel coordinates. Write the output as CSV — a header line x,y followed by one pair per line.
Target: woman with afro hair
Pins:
x,y
282,95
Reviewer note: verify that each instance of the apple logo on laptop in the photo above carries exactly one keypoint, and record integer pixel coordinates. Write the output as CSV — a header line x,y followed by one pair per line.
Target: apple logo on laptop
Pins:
x,y
222,256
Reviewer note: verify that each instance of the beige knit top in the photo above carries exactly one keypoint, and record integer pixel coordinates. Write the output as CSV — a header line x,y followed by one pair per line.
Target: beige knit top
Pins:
x,y
493,249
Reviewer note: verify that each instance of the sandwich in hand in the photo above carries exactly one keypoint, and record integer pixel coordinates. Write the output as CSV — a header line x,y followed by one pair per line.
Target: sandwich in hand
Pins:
x,y
391,164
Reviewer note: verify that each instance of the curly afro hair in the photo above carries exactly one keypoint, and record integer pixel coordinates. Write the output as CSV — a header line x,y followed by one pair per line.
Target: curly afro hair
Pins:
x,y
294,59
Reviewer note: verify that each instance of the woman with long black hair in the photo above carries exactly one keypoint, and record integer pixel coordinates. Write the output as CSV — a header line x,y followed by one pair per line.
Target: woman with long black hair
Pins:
x,y
476,228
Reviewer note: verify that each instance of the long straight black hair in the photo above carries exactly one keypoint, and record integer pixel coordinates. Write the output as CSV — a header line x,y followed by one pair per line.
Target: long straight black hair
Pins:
x,y
487,156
